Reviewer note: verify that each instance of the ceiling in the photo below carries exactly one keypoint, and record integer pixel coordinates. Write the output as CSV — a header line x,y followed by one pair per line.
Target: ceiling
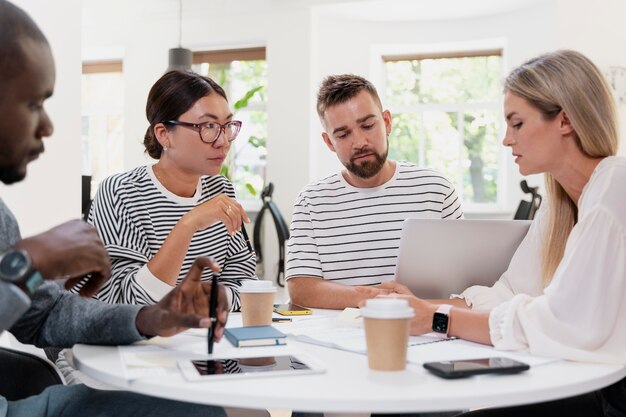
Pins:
x,y
94,11
420,10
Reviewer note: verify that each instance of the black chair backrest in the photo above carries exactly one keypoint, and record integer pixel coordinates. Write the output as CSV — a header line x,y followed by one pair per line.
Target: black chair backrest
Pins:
x,y
527,209
85,195
282,231
23,374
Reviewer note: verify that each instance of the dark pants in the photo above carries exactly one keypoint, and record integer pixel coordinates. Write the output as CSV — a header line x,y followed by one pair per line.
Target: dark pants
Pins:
x,y
80,400
434,414
608,402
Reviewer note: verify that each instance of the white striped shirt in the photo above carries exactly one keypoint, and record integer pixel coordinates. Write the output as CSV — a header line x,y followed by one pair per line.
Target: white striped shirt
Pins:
x,y
351,235
134,214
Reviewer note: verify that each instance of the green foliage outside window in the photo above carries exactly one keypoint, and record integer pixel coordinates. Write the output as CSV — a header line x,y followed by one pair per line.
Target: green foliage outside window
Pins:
x,y
446,117
245,85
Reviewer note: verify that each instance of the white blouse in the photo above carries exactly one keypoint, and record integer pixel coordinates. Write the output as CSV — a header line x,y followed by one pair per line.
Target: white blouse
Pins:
x,y
581,314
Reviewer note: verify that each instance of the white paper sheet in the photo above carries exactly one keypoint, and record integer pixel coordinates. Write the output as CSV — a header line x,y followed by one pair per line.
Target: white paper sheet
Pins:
x,y
346,332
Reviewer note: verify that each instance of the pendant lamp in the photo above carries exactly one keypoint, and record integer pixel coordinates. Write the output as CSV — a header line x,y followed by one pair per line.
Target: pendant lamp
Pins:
x,y
179,58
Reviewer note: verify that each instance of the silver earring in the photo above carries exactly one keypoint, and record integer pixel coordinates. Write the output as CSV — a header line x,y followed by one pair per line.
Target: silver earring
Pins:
x,y
165,148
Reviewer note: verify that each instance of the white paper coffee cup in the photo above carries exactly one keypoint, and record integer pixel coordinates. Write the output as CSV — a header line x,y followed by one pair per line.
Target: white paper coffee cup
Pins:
x,y
387,322
257,302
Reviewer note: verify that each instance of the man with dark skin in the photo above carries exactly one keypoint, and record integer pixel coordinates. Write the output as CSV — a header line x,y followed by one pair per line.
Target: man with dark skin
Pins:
x,y
48,315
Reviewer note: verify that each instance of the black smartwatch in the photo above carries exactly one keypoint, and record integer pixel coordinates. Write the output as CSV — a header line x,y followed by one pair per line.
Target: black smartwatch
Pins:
x,y
16,268
441,320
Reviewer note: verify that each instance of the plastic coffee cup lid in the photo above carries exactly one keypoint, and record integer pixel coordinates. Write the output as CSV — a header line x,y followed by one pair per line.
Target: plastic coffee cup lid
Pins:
x,y
387,308
257,285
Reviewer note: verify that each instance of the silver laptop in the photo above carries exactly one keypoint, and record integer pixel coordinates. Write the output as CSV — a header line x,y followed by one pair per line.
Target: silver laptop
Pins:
x,y
442,257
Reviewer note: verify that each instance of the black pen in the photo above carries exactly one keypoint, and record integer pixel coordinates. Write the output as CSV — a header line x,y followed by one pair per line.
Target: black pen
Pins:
x,y
280,319
245,236
212,313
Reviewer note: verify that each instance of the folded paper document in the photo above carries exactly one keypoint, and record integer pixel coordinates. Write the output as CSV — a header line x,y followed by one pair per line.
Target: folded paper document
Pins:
x,y
346,332
343,332
255,336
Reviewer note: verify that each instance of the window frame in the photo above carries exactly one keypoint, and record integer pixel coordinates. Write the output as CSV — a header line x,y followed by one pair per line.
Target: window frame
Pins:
x,y
386,53
90,67
226,55
104,66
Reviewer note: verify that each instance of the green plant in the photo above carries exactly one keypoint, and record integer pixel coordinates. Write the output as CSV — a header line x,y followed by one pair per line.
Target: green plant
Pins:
x,y
242,166
255,141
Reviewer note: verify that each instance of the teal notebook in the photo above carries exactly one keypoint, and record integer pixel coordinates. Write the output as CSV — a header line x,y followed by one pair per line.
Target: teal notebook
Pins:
x,y
255,336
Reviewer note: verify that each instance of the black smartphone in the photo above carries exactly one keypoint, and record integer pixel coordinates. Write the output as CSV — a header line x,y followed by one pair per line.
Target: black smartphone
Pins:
x,y
468,367
291,309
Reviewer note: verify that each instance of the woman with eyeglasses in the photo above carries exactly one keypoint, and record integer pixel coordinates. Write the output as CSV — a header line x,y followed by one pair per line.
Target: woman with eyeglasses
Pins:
x,y
156,219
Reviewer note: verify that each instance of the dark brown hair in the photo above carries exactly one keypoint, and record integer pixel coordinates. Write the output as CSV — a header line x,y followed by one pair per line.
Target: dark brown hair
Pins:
x,y
172,95
15,25
337,89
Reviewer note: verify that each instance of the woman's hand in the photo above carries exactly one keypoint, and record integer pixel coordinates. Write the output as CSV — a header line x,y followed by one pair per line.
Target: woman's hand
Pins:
x,y
422,322
219,209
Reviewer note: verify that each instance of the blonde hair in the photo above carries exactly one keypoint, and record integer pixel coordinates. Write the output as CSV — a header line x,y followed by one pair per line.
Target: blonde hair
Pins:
x,y
567,81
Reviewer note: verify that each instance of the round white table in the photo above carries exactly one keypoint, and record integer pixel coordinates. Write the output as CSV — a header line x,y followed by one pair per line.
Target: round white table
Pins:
x,y
349,386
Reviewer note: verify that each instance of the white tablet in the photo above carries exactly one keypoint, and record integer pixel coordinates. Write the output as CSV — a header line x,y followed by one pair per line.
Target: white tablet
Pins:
x,y
269,366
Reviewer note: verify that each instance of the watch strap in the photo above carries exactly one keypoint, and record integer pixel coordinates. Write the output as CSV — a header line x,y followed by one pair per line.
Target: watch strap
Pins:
x,y
33,281
26,277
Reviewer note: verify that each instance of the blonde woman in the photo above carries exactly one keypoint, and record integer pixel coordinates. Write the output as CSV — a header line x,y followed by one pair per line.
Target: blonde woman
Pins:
x,y
564,294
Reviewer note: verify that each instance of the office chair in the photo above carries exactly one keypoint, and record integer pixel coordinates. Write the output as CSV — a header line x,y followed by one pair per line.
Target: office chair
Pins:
x,y
23,374
527,209
282,230
85,195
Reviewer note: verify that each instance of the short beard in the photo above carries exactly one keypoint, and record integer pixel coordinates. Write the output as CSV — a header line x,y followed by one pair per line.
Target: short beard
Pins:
x,y
368,169
11,176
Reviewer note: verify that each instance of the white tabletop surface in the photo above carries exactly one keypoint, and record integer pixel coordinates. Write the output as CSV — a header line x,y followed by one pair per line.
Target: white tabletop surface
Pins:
x,y
348,385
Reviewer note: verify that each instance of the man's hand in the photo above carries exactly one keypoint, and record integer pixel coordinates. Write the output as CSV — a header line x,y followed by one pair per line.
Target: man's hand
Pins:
x,y
394,288
366,291
386,288
70,251
187,305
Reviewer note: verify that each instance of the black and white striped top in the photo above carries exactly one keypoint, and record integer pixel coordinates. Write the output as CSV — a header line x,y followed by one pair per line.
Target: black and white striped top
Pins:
x,y
134,214
351,235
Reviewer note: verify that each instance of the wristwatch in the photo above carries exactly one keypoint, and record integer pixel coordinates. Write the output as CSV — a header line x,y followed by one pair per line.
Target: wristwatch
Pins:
x,y
441,320
17,268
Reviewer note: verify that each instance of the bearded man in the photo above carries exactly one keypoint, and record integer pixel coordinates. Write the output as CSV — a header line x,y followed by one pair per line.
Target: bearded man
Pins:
x,y
345,230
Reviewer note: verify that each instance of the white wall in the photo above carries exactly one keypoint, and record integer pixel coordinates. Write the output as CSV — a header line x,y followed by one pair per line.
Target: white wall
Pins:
x,y
601,38
51,192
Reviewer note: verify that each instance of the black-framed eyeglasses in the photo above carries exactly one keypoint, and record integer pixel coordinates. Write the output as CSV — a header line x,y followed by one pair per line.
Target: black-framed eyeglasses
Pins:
x,y
210,131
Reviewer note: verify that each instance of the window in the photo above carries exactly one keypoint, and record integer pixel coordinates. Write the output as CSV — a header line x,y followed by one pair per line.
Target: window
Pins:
x,y
243,75
447,116
102,131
